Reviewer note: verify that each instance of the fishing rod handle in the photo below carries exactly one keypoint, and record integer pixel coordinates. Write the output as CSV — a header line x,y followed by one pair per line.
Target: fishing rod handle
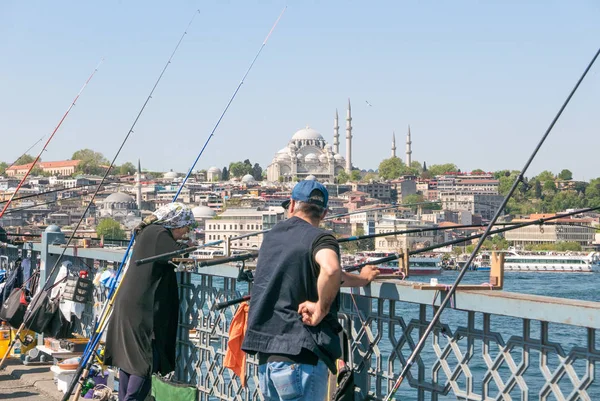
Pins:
x,y
225,304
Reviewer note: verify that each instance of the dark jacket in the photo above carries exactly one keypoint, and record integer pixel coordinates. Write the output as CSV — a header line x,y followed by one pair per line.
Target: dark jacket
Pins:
x,y
286,275
146,309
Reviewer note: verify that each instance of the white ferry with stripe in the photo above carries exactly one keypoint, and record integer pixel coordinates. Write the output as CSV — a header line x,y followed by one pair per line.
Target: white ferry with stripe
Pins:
x,y
568,262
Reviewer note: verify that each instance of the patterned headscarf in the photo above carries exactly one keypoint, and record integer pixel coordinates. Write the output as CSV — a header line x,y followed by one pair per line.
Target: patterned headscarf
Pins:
x,y
172,215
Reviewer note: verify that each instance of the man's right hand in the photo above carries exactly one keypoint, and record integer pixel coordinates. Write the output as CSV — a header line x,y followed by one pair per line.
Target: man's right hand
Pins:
x,y
312,313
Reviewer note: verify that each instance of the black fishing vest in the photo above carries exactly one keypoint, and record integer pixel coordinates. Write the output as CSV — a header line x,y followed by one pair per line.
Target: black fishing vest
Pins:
x,y
285,277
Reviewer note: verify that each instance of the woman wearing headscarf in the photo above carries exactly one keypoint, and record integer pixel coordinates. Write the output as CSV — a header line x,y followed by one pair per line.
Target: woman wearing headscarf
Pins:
x,y
142,333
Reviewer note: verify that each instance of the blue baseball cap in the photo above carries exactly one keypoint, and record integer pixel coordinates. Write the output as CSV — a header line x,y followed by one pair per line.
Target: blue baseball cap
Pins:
x,y
309,191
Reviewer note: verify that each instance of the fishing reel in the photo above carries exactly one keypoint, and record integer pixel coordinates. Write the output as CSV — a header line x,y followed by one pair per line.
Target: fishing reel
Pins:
x,y
244,274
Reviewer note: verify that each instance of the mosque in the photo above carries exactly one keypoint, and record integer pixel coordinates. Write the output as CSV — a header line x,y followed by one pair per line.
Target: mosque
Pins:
x,y
309,156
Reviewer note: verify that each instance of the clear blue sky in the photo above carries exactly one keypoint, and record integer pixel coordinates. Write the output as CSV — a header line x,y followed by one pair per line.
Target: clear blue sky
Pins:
x,y
478,83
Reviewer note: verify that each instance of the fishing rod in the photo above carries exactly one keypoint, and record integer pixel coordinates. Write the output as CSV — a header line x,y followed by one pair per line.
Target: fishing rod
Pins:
x,y
6,206
540,221
168,255
394,256
83,368
24,153
48,192
110,300
262,46
335,216
418,347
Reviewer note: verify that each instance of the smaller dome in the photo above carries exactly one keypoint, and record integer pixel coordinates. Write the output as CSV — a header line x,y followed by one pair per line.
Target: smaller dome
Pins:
x,y
284,150
119,197
323,158
311,157
214,170
337,156
203,212
311,178
53,229
283,156
248,179
171,175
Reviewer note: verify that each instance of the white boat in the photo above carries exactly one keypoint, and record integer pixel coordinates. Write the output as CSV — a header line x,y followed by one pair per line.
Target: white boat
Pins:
x,y
568,262
203,253
424,266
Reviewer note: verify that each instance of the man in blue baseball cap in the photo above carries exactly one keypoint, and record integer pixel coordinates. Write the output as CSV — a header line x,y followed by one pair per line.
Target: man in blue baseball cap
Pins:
x,y
292,321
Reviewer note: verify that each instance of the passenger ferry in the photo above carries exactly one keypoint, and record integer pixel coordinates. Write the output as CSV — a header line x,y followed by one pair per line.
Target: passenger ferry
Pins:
x,y
205,253
424,266
552,262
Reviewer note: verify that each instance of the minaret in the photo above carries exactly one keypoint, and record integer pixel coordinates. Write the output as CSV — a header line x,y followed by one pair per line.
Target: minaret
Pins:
x,y
138,180
393,144
336,134
349,139
408,148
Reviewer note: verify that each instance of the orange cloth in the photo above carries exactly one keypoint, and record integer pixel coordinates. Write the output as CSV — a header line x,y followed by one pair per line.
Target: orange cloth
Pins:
x,y
235,358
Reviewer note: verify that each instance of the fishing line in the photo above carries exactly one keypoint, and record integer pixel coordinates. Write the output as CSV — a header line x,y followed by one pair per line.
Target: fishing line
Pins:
x,y
95,338
419,346
47,142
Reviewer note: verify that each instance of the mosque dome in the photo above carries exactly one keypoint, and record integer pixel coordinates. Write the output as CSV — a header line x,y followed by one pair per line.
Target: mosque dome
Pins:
x,y
203,212
311,157
323,158
306,133
171,175
119,197
337,156
53,228
214,170
311,178
248,179
283,156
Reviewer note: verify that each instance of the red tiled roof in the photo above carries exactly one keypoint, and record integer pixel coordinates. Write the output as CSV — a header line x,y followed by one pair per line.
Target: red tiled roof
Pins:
x,y
58,164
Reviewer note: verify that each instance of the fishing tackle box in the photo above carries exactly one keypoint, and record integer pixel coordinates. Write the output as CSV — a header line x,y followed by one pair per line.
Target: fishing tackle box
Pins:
x,y
74,344
78,289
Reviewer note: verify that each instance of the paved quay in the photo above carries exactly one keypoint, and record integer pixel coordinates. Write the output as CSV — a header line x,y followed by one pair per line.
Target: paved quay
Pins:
x,y
27,383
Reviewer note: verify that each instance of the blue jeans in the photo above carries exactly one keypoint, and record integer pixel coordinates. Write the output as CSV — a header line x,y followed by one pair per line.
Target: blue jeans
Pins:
x,y
293,381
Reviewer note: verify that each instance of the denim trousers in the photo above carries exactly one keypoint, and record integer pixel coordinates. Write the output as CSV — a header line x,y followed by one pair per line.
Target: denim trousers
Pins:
x,y
293,381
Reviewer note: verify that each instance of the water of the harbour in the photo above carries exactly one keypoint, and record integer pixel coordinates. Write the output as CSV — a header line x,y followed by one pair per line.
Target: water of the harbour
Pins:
x,y
584,286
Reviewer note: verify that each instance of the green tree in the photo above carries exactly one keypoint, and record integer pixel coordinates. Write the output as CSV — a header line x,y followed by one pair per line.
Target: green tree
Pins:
x,y
592,191
257,172
545,176
566,200
566,175
3,167
25,159
477,171
225,174
239,169
127,169
110,228
90,162
549,188
416,166
342,177
506,181
370,176
412,199
355,176
391,168
439,169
